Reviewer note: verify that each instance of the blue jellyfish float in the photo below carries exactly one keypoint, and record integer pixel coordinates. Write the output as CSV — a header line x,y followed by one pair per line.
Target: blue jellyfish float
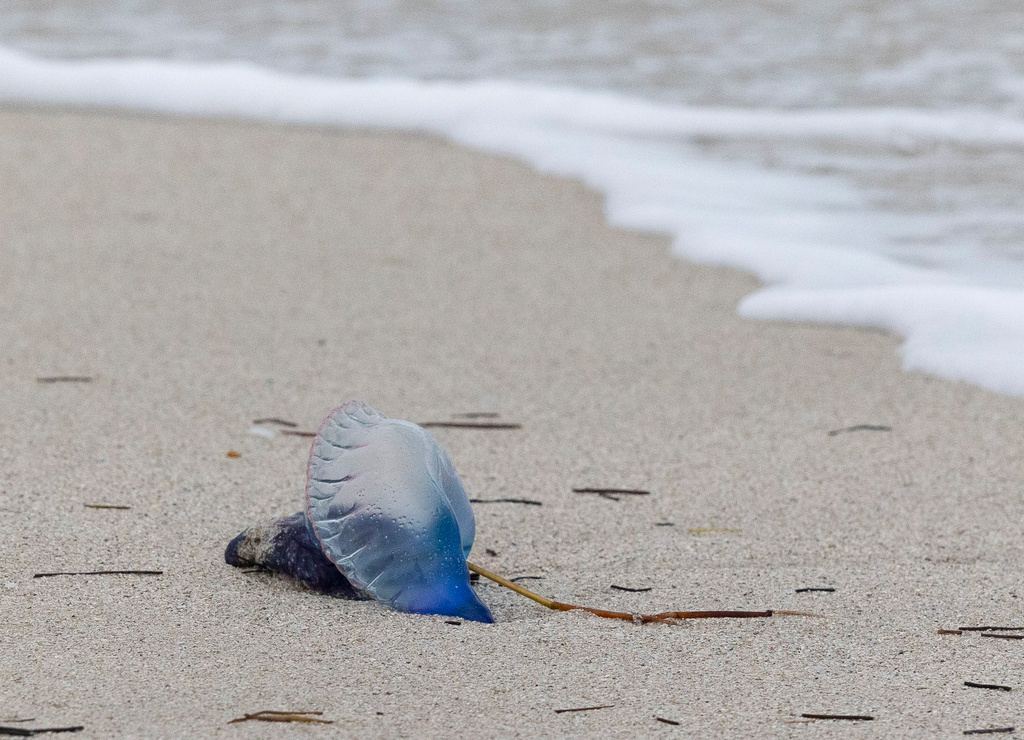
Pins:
x,y
387,518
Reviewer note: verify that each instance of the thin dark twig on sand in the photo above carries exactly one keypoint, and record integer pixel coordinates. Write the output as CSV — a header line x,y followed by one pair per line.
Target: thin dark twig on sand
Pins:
x,y
992,731
632,590
663,617
861,428
1003,637
101,573
992,629
517,579
271,715
275,420
106,506
613,491
526,501
813,589
65,379
297,433
584,709
666,721
26,732
850,717
992,686
470,425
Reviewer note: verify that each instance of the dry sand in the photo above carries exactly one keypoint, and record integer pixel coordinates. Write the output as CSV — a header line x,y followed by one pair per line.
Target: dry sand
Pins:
x,y
205,274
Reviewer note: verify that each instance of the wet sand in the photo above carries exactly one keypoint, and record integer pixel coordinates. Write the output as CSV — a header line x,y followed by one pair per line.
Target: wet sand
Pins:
x,y
206,274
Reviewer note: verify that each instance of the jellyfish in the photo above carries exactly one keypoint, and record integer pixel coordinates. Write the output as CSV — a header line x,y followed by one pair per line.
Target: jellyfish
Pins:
x,y
387,518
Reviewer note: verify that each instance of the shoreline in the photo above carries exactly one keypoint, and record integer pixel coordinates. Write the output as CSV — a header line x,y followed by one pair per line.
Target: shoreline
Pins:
x,y
206,274
828,249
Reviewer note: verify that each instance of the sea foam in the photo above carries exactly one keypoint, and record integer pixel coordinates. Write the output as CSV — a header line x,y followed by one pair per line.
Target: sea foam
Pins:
x,y
813,240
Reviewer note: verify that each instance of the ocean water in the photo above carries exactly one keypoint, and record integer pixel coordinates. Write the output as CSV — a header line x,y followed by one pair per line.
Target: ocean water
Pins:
x,y
865,160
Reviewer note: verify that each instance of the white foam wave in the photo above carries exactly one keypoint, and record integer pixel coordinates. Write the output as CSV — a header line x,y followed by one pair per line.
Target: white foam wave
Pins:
x,y
810,238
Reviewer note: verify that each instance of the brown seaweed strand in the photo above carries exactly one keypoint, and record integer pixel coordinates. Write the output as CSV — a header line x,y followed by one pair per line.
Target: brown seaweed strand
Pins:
x,y
663,617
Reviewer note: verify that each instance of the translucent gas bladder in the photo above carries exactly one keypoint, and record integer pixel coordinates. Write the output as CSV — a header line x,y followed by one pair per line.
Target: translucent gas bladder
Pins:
x,y
386,517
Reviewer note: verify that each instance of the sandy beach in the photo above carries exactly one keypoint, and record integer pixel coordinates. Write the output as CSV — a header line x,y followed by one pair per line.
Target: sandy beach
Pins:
x,y
207,274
